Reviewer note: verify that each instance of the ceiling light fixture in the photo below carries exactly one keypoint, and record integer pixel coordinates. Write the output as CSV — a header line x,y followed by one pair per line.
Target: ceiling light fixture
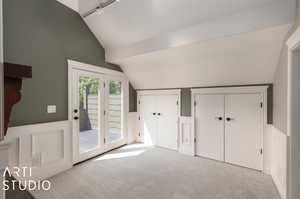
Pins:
x,y
102,4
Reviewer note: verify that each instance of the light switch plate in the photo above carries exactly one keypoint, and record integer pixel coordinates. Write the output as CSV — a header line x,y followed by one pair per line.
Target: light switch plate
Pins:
x,y
51,109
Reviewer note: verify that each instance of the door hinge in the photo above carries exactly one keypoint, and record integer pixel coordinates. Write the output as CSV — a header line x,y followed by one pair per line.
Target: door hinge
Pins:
x,y
139,117
104,85
139,102
261,151
104,140
104,112
177,103
195,103
195,140
261,105
139,134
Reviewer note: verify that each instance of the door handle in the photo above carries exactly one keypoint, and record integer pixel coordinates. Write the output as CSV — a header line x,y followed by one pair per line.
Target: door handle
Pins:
x,y
75,110
228,119
153,113
220,118
158,114
76,118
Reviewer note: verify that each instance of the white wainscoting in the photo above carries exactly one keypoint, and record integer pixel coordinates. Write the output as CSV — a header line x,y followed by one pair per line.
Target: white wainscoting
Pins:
x,y
186,136
279,161
267,149
44,147
132,127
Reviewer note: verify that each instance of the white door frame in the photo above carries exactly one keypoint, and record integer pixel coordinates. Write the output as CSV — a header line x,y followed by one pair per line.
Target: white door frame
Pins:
x,y
237,90
158,93
106,74
293,44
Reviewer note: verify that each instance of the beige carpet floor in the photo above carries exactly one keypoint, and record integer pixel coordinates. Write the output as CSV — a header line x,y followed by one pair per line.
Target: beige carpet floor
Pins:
x,y
138,172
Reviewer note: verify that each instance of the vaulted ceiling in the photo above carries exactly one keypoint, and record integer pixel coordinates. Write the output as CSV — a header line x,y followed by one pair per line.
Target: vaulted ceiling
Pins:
x,y
176,43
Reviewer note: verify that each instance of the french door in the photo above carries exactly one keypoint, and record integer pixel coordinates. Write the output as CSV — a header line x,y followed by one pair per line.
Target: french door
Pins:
x,y
97,106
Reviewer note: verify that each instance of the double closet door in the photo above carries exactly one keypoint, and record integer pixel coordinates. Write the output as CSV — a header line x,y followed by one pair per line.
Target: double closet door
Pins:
x,y
158,117
97,111
229,128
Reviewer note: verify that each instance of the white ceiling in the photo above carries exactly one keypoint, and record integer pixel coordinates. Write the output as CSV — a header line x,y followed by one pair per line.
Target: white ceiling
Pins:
x,y
134,27
191,43
249,58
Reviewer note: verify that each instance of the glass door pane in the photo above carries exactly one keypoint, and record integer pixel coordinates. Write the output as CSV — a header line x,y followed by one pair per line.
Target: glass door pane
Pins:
x,y
115,111
89,108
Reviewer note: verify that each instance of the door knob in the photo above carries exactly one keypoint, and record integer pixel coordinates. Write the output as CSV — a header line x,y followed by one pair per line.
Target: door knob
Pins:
x,y
220,118
158,114
76,118
154,113
75,110
228,119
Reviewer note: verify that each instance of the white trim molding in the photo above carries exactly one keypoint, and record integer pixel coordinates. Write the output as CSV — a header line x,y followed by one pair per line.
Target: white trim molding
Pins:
x,y
159,92
92,68
293,44
230,90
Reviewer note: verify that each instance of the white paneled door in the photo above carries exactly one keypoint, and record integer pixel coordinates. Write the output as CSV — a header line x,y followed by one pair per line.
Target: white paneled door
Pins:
x,y
243,130
229,125
148,119
209,115
167,114
158,114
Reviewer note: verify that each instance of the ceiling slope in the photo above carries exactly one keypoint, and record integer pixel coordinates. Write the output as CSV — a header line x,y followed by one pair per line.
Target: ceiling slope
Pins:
x,y
176,43
241,59
135,27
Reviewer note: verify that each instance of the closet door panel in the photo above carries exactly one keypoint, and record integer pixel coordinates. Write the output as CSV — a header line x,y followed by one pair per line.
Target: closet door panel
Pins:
x,y
243,130
167,114
209,116
148,119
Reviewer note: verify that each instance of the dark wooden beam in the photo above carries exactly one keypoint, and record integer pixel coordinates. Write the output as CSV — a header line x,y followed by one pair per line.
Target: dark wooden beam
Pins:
x,y
13,76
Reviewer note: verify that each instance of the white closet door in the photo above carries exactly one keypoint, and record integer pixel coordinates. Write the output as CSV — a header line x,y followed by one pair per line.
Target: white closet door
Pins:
x,y
167,114
148,119
210,126
243,130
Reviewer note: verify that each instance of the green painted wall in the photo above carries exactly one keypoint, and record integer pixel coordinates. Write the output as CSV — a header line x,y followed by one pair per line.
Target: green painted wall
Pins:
x,y
44,34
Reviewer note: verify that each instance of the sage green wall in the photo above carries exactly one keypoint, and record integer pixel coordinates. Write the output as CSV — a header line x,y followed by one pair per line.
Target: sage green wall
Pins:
x,y
44,34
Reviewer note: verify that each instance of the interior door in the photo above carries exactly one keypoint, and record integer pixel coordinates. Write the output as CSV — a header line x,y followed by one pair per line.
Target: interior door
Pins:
x,y
148,119
87,104
167,114
209,117
243,130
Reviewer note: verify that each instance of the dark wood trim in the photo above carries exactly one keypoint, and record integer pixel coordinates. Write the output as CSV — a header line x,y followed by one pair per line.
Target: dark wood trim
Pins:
x,y
17,70
13,76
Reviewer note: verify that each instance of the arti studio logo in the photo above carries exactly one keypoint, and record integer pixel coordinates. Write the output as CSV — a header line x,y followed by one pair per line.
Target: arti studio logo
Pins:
x,y
23,172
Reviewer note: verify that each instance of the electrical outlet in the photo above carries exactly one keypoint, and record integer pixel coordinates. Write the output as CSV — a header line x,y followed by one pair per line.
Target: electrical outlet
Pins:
x,y
51,109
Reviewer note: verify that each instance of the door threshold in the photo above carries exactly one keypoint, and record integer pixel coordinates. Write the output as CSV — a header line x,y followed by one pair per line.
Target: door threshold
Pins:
x,y
83,161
